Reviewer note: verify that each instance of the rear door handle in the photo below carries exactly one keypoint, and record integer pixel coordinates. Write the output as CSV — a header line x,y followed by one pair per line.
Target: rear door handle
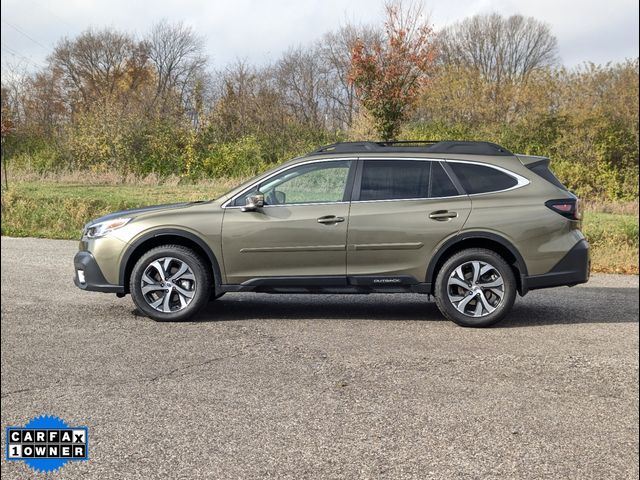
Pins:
x,y
330,219
442,215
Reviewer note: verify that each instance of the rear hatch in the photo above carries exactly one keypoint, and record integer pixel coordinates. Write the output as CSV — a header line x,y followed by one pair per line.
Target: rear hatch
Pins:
x,y
567,207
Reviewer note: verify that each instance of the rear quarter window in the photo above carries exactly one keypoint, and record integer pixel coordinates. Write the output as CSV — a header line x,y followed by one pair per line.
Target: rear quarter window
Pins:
x,y
482,179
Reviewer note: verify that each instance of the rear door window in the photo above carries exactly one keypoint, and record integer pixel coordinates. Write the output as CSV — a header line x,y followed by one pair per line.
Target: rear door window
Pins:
x,y
481,179
441,184
394,179
404,179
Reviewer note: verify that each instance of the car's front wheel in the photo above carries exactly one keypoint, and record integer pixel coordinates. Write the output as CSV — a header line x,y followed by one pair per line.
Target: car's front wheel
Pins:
x,y
170,283
475,288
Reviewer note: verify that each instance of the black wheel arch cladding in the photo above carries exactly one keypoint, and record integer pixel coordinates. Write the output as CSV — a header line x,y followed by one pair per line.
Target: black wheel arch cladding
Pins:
x,y
166,236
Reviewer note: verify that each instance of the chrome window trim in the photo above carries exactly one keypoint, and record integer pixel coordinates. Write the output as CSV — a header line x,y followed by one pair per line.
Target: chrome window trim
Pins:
x,y
278,172
409,199
299,204
521,181
406,199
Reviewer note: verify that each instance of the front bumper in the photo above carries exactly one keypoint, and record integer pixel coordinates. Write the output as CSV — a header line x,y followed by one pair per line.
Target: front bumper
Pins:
x,y
88,276
571,270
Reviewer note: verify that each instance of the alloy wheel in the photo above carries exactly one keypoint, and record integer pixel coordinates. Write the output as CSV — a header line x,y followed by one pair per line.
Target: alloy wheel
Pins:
x,y
475,288
168,284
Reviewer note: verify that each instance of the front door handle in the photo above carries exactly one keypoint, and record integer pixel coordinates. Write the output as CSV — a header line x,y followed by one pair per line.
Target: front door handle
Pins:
x,y
330,219
442,215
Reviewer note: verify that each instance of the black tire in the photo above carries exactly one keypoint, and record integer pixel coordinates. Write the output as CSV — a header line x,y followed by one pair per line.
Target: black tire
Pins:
x,y
501,270
200,289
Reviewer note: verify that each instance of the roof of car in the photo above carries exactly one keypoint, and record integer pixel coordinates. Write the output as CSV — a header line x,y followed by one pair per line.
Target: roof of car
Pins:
x,y
415,146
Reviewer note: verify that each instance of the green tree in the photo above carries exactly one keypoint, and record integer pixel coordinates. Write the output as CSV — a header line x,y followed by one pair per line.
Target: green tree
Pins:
x,y
389,72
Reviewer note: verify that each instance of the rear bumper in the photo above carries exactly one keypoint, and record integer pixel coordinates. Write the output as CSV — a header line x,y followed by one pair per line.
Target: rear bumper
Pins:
x,y
571,270
85,265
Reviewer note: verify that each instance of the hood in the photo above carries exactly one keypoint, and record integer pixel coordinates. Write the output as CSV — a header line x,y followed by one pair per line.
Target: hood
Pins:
x,y
134,212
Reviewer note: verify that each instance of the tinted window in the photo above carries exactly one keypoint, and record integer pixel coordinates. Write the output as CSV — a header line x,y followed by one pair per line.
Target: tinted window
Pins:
x,y
311,183
480,179
441,184
394,179
404,179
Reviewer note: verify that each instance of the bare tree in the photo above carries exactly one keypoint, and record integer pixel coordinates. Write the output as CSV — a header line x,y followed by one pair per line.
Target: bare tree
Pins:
x,y
177,55
15,88
44,107
236,92
35,100
98,65
299,77
248,102
501,49
334,50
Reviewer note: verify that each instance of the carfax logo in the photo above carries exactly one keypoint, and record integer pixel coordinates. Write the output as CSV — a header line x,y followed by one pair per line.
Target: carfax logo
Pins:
x,y
47,443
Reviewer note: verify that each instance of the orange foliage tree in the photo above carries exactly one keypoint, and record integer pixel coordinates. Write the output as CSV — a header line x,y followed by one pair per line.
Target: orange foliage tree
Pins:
x,y
389,72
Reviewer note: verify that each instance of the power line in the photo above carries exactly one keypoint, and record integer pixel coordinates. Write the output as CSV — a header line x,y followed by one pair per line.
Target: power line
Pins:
x,y
12,52
53,13
25,34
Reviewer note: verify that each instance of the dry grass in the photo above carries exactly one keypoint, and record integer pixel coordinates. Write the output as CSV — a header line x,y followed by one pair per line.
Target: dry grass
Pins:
x,y
620,208
59,210
612,259
75,177
614,241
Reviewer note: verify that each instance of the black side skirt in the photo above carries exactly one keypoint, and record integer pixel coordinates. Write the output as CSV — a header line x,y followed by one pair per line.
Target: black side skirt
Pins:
x,y
332,284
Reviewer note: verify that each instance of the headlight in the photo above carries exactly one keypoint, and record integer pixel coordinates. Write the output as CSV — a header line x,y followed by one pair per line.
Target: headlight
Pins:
x,y
101,229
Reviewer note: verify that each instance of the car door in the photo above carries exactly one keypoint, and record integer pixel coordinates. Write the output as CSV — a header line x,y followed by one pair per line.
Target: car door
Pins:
x,y
300,231
402,209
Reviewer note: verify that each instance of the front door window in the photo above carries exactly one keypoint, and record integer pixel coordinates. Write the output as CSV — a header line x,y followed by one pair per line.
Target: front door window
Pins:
x,y
321,182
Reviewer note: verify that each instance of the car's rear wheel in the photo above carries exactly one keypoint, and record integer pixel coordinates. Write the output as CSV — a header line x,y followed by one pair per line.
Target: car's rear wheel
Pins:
x,y
475,288
171,283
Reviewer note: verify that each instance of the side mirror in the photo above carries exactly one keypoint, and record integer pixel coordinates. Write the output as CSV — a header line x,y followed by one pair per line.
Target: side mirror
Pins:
x,y
254,202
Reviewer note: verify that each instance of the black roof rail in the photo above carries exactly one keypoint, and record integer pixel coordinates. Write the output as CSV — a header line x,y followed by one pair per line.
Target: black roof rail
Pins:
x,y
416,146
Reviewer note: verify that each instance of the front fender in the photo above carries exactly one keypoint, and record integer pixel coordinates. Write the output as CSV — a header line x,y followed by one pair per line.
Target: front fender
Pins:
x,y
151,236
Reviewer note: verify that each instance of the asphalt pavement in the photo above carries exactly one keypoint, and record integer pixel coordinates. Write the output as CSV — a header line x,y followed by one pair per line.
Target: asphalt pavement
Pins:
x,y
321,387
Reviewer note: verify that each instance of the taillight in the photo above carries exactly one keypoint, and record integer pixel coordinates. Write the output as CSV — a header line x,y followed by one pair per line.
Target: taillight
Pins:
x,y
567,207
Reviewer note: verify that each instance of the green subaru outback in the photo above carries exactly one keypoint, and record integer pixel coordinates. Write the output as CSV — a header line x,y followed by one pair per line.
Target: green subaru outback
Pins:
x,y
468,222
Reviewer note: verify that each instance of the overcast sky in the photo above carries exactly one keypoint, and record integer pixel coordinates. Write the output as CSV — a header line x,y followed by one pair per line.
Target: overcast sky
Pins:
x,y
587,30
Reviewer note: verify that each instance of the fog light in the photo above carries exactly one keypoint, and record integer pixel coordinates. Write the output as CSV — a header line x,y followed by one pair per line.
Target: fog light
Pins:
x,y
81,276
